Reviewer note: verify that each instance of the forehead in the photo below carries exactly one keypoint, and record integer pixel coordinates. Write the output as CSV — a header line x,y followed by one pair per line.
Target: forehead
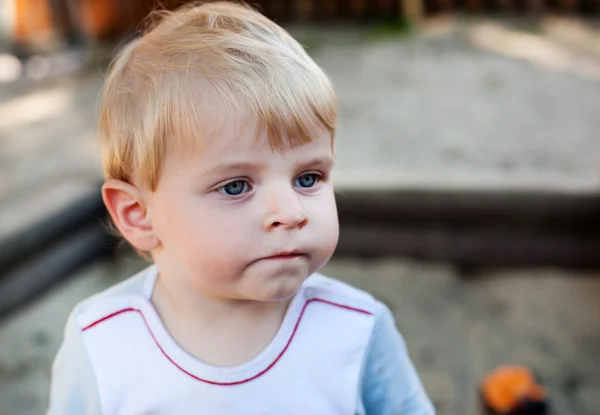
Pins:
x,y
236,140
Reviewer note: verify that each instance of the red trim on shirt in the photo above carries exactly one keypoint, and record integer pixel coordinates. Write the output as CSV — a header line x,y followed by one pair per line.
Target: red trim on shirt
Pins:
x,y
358,310
89,326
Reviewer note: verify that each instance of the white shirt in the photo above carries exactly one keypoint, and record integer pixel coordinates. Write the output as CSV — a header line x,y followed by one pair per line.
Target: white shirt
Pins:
x,y
336,352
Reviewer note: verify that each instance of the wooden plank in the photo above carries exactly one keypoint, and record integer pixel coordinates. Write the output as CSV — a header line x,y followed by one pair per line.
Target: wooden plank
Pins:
x,y
475,6
303,10
328,9
505,5
569,6
412,10
536,6
356,8
387,8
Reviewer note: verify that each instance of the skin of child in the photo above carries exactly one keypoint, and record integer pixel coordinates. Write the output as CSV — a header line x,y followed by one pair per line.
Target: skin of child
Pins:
x,y
234,226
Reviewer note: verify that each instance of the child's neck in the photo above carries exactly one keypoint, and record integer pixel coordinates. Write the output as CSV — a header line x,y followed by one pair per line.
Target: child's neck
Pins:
x,y
236,330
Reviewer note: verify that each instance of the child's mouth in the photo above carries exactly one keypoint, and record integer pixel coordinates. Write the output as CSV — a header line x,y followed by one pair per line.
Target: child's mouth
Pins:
x,y
285,255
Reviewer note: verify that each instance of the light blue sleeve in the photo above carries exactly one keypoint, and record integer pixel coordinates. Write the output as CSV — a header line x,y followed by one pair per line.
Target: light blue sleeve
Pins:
x,y
390,384
73,389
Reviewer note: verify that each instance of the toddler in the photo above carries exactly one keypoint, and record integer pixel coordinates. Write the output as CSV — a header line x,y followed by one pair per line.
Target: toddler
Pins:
x,y
217,137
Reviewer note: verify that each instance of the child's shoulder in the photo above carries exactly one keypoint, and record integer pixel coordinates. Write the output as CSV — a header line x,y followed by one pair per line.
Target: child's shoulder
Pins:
x,y
115,299
319,287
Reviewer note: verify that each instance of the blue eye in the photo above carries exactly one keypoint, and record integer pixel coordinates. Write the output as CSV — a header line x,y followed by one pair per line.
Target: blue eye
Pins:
x,y
306,180
235,188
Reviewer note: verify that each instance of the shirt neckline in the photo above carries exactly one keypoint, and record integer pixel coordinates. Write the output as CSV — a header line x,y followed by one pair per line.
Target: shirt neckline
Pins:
x,y
203,372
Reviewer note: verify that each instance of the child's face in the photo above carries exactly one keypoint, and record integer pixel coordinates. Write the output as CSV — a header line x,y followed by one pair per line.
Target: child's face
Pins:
x,y
237,220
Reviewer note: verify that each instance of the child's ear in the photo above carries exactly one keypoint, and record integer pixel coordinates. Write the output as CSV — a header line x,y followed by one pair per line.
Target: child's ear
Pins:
x,y
128,209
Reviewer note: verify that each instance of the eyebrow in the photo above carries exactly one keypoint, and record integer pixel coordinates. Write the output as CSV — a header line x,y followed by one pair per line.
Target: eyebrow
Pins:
x,y
232,167
322,162
228,168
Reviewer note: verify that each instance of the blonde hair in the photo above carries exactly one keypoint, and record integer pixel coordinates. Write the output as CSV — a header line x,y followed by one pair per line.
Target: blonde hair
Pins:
x,y
198,68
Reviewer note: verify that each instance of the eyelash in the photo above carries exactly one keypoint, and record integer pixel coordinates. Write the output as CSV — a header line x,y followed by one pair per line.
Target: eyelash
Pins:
x,y
319,177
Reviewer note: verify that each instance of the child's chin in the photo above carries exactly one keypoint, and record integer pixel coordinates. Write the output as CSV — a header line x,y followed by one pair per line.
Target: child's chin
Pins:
x,y
283,290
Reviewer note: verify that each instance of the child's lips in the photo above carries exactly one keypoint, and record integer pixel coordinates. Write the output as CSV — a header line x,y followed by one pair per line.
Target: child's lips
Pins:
x,y
285,255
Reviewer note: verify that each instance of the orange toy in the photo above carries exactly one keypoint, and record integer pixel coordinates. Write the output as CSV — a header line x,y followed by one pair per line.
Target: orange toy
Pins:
x,y
512,390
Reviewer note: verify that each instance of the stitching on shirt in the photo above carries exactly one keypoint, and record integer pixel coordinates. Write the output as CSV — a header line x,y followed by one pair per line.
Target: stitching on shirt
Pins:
x,y
262,372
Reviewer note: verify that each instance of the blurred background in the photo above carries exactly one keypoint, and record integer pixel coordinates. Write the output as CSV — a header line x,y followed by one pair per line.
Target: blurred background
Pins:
x,y
468,179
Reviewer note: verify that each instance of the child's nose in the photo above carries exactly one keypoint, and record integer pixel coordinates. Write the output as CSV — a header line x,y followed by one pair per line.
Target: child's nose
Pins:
x,y
285,211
